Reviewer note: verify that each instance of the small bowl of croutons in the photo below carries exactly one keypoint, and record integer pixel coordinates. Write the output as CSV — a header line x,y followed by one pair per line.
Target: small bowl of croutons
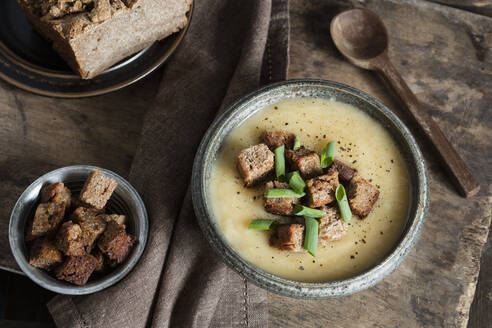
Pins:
x,y
78,229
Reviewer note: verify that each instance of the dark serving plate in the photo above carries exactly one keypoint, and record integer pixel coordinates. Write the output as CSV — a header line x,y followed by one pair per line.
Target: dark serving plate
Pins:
x,y
28,61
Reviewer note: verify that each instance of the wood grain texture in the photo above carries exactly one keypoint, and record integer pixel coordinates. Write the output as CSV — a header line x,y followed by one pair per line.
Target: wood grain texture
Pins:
x,y
432,46
442,53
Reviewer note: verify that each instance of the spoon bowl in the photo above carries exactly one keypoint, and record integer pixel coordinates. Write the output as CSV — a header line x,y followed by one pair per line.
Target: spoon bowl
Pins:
x,y
360,36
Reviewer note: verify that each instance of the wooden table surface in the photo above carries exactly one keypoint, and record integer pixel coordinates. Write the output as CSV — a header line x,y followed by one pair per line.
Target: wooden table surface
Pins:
x,y
444,55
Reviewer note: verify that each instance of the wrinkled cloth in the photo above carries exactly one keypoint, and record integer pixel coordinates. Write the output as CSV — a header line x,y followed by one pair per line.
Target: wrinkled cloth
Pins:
x,y
230,49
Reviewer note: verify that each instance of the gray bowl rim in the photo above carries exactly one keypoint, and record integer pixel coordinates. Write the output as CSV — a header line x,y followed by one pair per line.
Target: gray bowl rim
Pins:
x,y
105,282
291,288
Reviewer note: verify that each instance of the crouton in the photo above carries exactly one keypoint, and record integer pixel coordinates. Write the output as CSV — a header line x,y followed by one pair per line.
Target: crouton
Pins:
x,y
92,229
70,239
56,192
82,214
99,256
46,219
345,172
115,243
274,139
97,189
44,254
77,269
306,161
120,219
321,190
331,225
288,237
361,195
255,164
281,206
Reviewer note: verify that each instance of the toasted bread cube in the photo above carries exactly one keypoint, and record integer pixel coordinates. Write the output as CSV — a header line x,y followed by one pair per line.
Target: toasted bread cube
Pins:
x,y
345,172
281,206
361,195
82,214
101,263
321,190
91,230
56,192
331,225
44,254
274,139
97,189
288,237
46,219
120,219
115,243
77,269
306,161
255,163
70,239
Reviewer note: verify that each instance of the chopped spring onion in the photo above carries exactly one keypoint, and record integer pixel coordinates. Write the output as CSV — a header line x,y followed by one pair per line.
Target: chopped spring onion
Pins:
x,y
328,154
283,193
262,224
296,182
343,204
297,143
280,162
302,210
311,238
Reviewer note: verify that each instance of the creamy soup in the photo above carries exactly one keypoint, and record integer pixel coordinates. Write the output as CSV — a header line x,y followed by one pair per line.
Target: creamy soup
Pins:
x,y
361,142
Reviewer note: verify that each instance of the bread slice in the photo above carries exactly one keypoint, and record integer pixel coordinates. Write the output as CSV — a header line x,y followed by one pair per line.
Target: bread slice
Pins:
x,y
93,35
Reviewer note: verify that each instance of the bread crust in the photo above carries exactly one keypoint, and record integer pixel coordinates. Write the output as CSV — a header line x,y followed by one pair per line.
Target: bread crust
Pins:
x,y
93,35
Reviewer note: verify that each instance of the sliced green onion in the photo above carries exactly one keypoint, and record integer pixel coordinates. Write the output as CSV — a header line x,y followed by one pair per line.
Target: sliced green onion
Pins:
x,y
296,182
297,143
262,224
343,204
283,193
280,162
302,210
311,238
328,154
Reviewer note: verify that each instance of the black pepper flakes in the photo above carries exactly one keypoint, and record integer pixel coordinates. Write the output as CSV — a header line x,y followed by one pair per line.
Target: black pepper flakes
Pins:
x,y
381,232
352,257
238,192
324,136
301,268
275,107
286,123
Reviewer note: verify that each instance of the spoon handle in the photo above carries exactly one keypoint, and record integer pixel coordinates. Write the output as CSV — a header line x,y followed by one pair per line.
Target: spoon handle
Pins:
x,y
455,166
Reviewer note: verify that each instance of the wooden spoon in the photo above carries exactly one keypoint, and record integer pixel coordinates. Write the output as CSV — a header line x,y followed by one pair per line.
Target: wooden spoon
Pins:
x,y
361,36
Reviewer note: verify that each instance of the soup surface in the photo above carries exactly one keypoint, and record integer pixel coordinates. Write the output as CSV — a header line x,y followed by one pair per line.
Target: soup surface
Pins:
x,y
361,142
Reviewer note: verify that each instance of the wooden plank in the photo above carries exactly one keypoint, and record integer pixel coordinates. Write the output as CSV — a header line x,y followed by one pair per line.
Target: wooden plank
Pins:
x,y
435,49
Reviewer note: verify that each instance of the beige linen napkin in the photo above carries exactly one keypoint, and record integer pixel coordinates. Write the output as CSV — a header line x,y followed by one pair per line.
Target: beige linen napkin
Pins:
x,y
231,48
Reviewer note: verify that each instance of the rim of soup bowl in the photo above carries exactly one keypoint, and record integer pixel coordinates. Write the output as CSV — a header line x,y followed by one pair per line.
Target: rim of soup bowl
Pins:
x,y
237,113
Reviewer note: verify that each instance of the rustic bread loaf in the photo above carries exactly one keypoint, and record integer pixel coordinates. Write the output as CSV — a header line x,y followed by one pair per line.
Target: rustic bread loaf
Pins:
x,y
93,35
